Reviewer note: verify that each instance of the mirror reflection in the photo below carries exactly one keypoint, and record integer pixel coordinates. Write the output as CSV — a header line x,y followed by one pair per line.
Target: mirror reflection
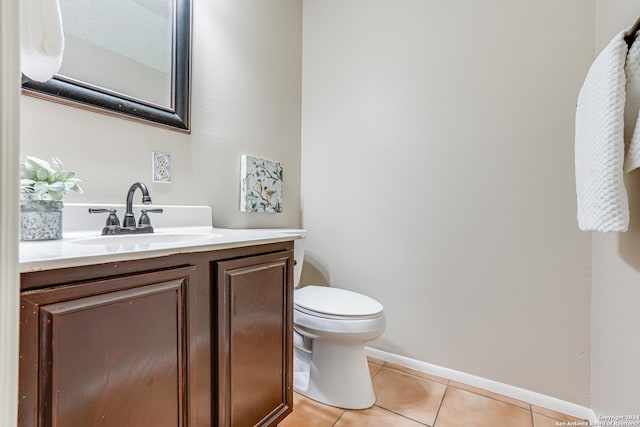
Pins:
x,y
129,58
122,46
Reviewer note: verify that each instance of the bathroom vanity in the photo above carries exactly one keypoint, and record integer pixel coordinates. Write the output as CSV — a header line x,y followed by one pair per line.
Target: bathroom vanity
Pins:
x,y
196,332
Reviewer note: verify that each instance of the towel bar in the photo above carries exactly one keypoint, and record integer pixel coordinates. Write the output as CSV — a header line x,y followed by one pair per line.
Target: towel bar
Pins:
x,y
630,35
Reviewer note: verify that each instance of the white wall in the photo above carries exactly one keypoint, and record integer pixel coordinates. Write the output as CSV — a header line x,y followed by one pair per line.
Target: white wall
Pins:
x,y
9,135
615,319
438,178
246,91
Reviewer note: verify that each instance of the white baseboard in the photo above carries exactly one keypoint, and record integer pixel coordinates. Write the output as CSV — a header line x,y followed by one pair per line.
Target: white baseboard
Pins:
x,y
493,386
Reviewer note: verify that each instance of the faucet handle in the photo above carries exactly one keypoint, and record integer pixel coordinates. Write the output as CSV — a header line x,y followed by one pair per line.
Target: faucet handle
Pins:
x,y
112,219
144,220
112,226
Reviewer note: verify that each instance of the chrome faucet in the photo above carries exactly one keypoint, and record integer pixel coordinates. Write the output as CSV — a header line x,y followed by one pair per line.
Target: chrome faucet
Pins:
x,y
129,226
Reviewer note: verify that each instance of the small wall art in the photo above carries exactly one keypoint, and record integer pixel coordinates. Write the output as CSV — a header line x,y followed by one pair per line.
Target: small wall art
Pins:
x,y
261,185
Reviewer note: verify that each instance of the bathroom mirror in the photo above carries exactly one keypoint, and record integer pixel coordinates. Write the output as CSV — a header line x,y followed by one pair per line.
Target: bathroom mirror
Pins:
x,y
129,58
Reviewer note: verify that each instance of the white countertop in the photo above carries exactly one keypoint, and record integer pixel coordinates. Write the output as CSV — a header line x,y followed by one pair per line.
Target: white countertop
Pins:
x,y
81,247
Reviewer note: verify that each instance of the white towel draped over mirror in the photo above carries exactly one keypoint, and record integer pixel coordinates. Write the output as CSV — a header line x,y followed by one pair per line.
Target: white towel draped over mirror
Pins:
x,y
42,39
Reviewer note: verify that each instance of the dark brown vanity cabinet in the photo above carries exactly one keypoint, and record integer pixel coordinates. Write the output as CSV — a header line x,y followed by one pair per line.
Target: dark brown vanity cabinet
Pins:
x,y
255,340
108,352
195,339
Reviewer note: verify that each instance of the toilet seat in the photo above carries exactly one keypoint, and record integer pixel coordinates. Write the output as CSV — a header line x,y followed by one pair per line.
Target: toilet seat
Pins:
x,y
334,303
334,326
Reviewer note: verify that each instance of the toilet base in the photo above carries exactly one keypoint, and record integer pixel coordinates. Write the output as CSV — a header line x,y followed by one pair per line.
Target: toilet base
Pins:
x,y
339,375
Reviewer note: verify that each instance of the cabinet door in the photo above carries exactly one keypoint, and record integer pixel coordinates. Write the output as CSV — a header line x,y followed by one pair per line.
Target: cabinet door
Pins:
x,y
255,366
106,353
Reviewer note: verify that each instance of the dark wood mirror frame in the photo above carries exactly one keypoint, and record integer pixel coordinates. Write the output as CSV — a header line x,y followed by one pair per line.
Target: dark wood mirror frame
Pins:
x,y
68,92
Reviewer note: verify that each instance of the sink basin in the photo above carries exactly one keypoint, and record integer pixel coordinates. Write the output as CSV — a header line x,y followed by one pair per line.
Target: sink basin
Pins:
x,y
147,239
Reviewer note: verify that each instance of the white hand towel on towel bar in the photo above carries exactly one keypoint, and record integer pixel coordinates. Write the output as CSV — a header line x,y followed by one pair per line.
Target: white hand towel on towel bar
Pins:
x,y
632,110
599,144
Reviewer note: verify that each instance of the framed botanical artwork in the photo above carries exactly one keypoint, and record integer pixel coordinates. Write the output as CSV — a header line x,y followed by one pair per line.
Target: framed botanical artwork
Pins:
x,y
261,189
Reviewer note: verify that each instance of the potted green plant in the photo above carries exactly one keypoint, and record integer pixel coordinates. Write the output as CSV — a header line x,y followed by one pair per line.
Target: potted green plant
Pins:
x,y
42,188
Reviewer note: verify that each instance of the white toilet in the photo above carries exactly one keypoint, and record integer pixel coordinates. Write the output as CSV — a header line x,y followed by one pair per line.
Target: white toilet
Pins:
x,y
331,328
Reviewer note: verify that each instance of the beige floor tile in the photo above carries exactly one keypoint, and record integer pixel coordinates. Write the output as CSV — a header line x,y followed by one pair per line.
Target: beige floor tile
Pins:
x,y
462,408
309,413
416,373
506,399
408,395
376,361
374,369
553,414
375,417
408,398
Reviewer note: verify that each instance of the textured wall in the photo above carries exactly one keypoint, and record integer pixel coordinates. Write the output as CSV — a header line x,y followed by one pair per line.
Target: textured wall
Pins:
x,y
438,179
615,318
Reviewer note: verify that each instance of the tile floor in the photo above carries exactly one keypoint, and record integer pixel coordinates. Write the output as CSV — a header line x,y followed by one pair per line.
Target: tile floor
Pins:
x,y
408,398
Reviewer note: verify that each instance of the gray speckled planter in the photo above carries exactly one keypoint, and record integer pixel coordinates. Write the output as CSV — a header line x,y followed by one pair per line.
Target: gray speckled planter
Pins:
x,y
40,219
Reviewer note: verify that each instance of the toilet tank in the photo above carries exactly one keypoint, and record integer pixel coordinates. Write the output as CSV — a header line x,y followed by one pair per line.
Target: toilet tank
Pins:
x,y
298,258
298,250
